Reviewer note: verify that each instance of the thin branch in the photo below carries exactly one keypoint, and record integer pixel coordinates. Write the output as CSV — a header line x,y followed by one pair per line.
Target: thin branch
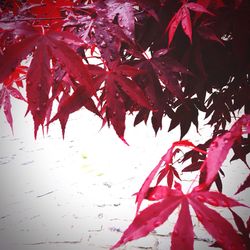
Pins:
x,y
31,19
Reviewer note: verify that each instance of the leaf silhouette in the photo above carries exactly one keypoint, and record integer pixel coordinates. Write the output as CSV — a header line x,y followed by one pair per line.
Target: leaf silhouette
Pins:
x,y
244,185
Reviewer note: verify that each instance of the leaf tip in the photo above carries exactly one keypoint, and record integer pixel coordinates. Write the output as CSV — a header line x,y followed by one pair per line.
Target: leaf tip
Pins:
x,y
123,139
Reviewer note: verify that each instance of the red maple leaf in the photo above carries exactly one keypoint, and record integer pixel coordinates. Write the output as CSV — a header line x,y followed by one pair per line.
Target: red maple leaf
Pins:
x,y
52,45
183,16
118,88
169,199
182,236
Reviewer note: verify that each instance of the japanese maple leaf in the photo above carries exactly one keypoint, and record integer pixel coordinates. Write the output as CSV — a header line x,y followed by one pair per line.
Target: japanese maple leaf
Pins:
x,y
183,236
118,85
51,45
184,116
5,93
168,71
183,16
169,171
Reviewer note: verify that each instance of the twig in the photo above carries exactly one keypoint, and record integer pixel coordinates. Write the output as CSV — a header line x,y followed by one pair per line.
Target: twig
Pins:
x,y
31,19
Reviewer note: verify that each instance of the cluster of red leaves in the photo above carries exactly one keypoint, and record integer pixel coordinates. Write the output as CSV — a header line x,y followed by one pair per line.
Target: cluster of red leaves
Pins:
x,y
155,58
172,78
168,199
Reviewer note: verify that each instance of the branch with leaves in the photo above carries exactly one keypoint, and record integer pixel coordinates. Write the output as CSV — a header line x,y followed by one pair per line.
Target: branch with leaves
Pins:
x,y
183,60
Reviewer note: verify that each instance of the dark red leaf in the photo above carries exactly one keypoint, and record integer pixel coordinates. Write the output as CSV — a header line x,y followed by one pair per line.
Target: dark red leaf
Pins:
x,y
218,183
71,62
72,103
245,185
115,108
239,223
168,77
39,82
248,225
132,90
170,177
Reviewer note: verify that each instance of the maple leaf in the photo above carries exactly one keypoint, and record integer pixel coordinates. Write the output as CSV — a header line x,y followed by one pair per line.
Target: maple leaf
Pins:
x,y
148,219
52,45
182,235
39,81
117,86
168,70
185,115
183,16
165,161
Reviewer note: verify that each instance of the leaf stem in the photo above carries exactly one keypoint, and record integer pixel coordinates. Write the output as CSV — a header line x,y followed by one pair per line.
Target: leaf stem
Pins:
x,y
31,19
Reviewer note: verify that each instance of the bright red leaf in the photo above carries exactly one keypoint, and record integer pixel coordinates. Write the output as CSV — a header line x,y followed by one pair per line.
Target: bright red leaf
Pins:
x,y
183,17
220,147
183,235
149,219
220,229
